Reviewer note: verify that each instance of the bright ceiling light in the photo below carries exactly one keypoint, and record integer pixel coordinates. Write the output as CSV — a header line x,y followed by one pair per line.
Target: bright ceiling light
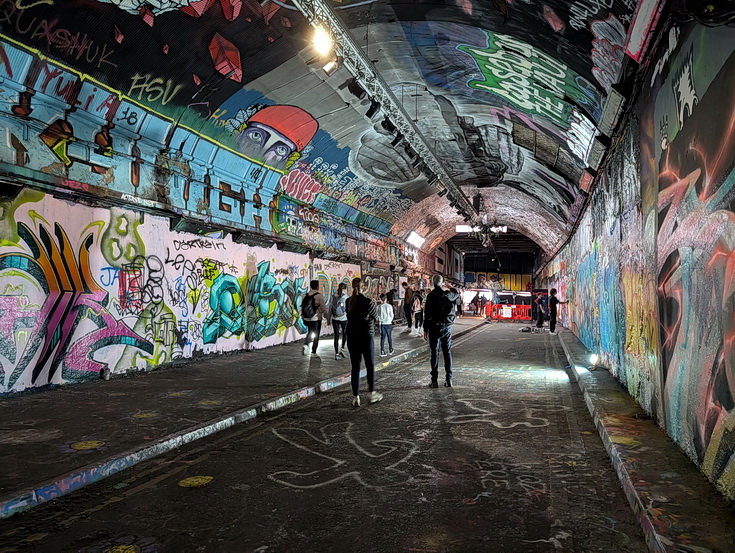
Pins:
x,y
465,228
415,240
322,42
594,358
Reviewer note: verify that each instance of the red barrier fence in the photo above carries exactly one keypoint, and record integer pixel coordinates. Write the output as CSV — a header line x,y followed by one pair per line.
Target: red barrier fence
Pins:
x,y
507,312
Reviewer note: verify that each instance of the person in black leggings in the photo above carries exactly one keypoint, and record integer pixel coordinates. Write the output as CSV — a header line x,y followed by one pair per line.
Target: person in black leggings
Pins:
x,y
361,318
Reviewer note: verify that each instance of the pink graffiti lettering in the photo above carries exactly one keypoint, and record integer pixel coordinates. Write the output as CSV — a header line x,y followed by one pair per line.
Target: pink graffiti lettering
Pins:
x,y
300,185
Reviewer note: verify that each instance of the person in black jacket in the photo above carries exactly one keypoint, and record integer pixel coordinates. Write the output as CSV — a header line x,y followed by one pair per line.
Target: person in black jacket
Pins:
x,y
361,318
438,328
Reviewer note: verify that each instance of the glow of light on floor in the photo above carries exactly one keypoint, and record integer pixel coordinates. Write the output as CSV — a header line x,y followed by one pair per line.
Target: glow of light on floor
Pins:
x,y
580,369
556,374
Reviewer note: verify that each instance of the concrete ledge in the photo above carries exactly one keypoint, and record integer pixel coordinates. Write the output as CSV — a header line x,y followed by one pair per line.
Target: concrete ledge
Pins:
x,y
678,509
33,496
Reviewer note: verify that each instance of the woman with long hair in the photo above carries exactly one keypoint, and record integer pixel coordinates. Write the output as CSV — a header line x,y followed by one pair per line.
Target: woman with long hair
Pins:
x,y
361,318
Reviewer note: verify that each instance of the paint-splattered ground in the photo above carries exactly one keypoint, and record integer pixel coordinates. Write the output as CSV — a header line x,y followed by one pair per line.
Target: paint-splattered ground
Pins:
x,y
505,461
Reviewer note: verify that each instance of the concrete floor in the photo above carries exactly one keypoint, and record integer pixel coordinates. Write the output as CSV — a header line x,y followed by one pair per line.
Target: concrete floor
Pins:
x,y
508,460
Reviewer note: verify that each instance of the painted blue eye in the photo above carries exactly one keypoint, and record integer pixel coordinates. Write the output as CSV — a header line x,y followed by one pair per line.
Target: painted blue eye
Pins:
x,y
255,135
281,151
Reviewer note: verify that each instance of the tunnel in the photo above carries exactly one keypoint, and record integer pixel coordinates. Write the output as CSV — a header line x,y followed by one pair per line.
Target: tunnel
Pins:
x,y
175,174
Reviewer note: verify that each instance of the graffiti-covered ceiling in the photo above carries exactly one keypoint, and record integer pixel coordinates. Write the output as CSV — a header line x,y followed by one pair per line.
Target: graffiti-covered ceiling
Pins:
x,y
222,109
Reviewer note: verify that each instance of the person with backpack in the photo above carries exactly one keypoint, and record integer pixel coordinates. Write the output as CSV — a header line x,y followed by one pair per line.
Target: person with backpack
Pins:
x,y
339,320
361,319
417,310
439,315
312,311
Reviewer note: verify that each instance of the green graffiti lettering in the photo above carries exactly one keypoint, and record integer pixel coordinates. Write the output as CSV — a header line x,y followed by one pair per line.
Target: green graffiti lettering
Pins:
x,y
529,79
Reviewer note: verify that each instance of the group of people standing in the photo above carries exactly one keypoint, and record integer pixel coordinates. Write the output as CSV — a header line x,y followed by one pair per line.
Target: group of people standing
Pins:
x,y
354,318
552,308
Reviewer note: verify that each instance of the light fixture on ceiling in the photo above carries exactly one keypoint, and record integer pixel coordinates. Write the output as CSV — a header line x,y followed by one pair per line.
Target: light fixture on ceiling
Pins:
x,y
416,162
442,192
409,151
357,91
332,65
397,139
373,109
388,126
322,41
431,179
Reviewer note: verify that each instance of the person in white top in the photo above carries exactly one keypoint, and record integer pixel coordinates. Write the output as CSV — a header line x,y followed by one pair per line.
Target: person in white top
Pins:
x,y
385,318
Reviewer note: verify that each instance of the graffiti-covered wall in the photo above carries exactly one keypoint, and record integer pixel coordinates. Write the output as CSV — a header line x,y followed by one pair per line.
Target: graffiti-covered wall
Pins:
x,y
650,271
83,289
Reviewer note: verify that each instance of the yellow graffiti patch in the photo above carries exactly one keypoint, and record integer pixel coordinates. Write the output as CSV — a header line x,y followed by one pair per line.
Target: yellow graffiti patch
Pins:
x,y
195,481
624,440
123,549
87,444
145,415
209,402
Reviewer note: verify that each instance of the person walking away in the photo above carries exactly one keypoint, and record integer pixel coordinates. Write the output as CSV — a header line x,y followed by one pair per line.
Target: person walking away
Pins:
x,y
417,309
459,307
339,320
312,311
539,301
361,318
438,318
553,302
407,302
483,301
385,318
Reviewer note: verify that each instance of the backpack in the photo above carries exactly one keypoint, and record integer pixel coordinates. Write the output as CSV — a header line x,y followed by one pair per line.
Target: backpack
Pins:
x,y
308,306
339,305
446,309
416,307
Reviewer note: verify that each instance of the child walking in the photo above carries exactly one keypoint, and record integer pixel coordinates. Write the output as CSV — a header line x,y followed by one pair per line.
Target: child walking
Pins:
x,y
385,318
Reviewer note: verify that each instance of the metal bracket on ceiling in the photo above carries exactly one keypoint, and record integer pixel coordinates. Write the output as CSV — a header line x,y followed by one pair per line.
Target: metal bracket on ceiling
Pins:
x,y
320,14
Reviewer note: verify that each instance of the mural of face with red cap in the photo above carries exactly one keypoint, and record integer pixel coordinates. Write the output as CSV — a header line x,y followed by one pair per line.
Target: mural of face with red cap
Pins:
x,y
276,135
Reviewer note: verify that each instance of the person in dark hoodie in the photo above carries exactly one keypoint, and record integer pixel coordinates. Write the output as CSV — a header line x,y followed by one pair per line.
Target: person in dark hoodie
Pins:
x,y
439,314
361,318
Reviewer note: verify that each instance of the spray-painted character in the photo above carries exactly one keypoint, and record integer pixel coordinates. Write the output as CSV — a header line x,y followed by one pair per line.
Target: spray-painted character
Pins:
x,y
276,135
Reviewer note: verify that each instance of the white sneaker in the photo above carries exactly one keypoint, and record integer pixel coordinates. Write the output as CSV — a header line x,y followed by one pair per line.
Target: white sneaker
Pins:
x,y
382,354
374,397
305,350
342,354
553,333
356,401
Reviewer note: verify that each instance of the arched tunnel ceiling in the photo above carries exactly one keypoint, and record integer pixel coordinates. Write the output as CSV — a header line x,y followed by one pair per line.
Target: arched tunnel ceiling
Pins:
x,y
507,94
